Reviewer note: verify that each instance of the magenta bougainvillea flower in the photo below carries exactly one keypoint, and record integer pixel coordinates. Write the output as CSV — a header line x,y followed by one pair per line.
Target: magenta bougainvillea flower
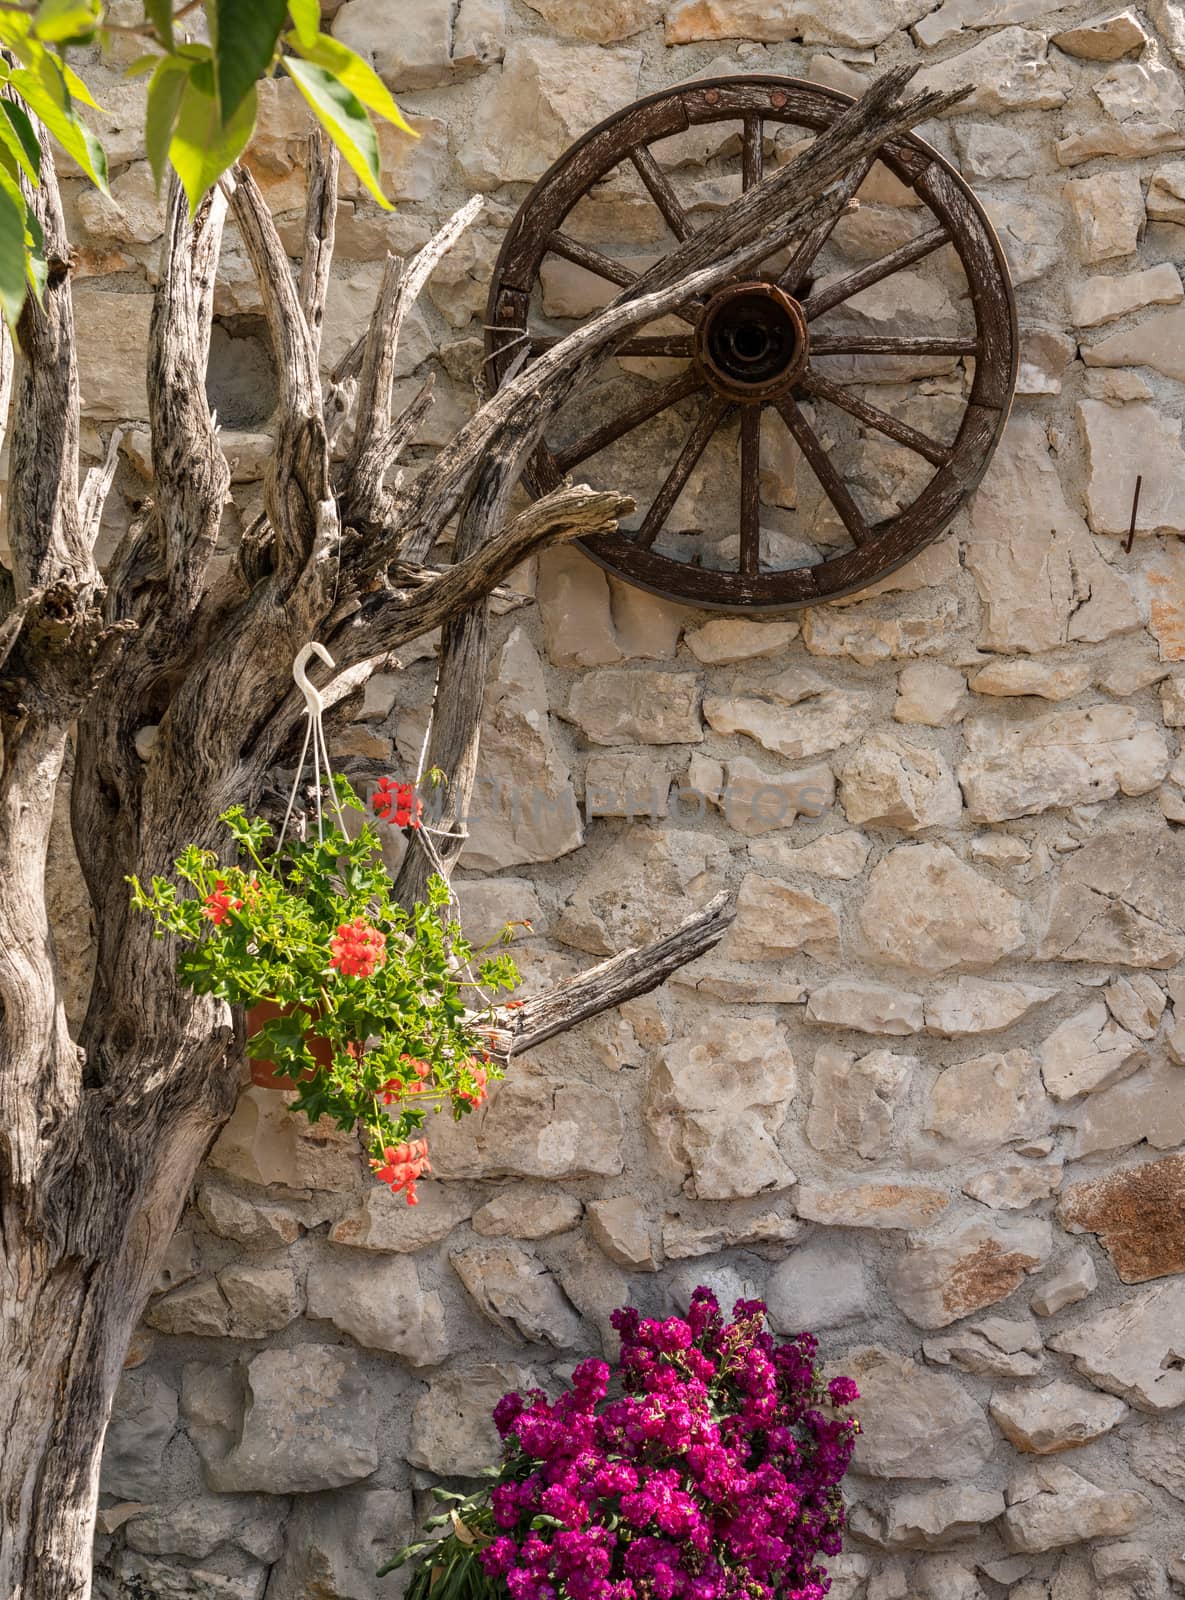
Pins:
x,y
711,1471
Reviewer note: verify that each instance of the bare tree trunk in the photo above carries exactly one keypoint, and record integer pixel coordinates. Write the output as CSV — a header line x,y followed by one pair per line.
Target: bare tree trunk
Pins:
x,y
100,1139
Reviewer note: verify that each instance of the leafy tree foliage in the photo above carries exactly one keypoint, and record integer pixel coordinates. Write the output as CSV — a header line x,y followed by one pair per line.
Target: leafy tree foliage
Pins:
x,y
203,63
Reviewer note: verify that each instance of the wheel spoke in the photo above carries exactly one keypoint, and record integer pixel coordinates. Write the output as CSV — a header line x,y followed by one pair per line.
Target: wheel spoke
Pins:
x,y
889,344
810,245
750,556
708,421
925,244
625,421
661,191
594,260
819,461
676,345
920,443
753,156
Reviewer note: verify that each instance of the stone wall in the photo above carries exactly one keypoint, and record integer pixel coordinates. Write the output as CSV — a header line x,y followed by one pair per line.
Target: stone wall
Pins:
x,y
928,1098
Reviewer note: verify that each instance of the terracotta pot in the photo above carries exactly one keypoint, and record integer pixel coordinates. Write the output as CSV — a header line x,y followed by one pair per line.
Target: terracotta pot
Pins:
x,y
263,1074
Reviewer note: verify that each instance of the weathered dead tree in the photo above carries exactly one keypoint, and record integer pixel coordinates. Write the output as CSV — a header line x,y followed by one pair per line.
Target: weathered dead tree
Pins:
x,y
100,1135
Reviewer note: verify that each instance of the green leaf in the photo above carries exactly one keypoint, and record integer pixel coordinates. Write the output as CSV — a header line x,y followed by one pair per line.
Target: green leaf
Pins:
x,y
203,147
160,14
45,92
343,116
141,65
57,21
16,131
306,17
12,250
246,33
160,118
353,74
36,266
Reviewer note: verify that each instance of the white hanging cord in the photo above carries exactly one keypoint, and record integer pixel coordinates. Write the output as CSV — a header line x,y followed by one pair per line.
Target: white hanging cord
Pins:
x,y
314,702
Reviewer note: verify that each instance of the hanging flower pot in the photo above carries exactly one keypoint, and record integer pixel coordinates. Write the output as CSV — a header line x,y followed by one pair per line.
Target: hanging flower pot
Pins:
x,y
263,1071
371,1014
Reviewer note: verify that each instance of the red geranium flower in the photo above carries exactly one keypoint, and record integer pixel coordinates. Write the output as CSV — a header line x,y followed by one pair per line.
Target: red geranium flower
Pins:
x,y
398,803
402,1167
219,904
357,949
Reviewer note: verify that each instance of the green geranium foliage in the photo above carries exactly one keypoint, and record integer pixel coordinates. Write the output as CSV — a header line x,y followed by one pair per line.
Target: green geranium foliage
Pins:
x,y
400,1002
203,60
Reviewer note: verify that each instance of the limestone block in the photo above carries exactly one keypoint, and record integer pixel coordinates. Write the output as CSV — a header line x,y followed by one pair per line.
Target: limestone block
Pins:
x,y
1155,342
832,855
597,21
716,1102
890,781
1088,1052
968,1266
871,1205
862,23
534,1127
1051,1506
385,1221
687,1236
982,1005
515,1291
990,150
621,1229
1010,70
926,911
1014,1185
198,1308
727,640
265,1144
821,1283
1041,579
997,1347
1059,1416
309,1423
1166,192
522,1211
915,1424
197,1525
1109,39
822,720
1021,675
1157,1452
641,888
452,1430
866,1006
617,706
570,88
140,1574
930,694
111,336
1072,1282
261,1299
335,1544
992,1100
853,1100
409,50
955,15
1140,102
1148,1107
774,920
1136,1349
143,1421
921,630
1030,232
380,1304
1105,299
1120,899
755,801
1134,439
931,1520
1136,1213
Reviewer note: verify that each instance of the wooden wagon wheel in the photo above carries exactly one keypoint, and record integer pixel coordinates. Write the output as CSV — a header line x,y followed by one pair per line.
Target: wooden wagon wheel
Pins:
x,y
775,344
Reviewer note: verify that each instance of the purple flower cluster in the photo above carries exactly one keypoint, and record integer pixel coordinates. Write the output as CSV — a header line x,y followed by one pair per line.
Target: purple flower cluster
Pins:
x,y
714,1475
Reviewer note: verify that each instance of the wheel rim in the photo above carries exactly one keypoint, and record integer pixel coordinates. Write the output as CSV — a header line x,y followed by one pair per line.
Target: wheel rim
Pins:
x,y
730,381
